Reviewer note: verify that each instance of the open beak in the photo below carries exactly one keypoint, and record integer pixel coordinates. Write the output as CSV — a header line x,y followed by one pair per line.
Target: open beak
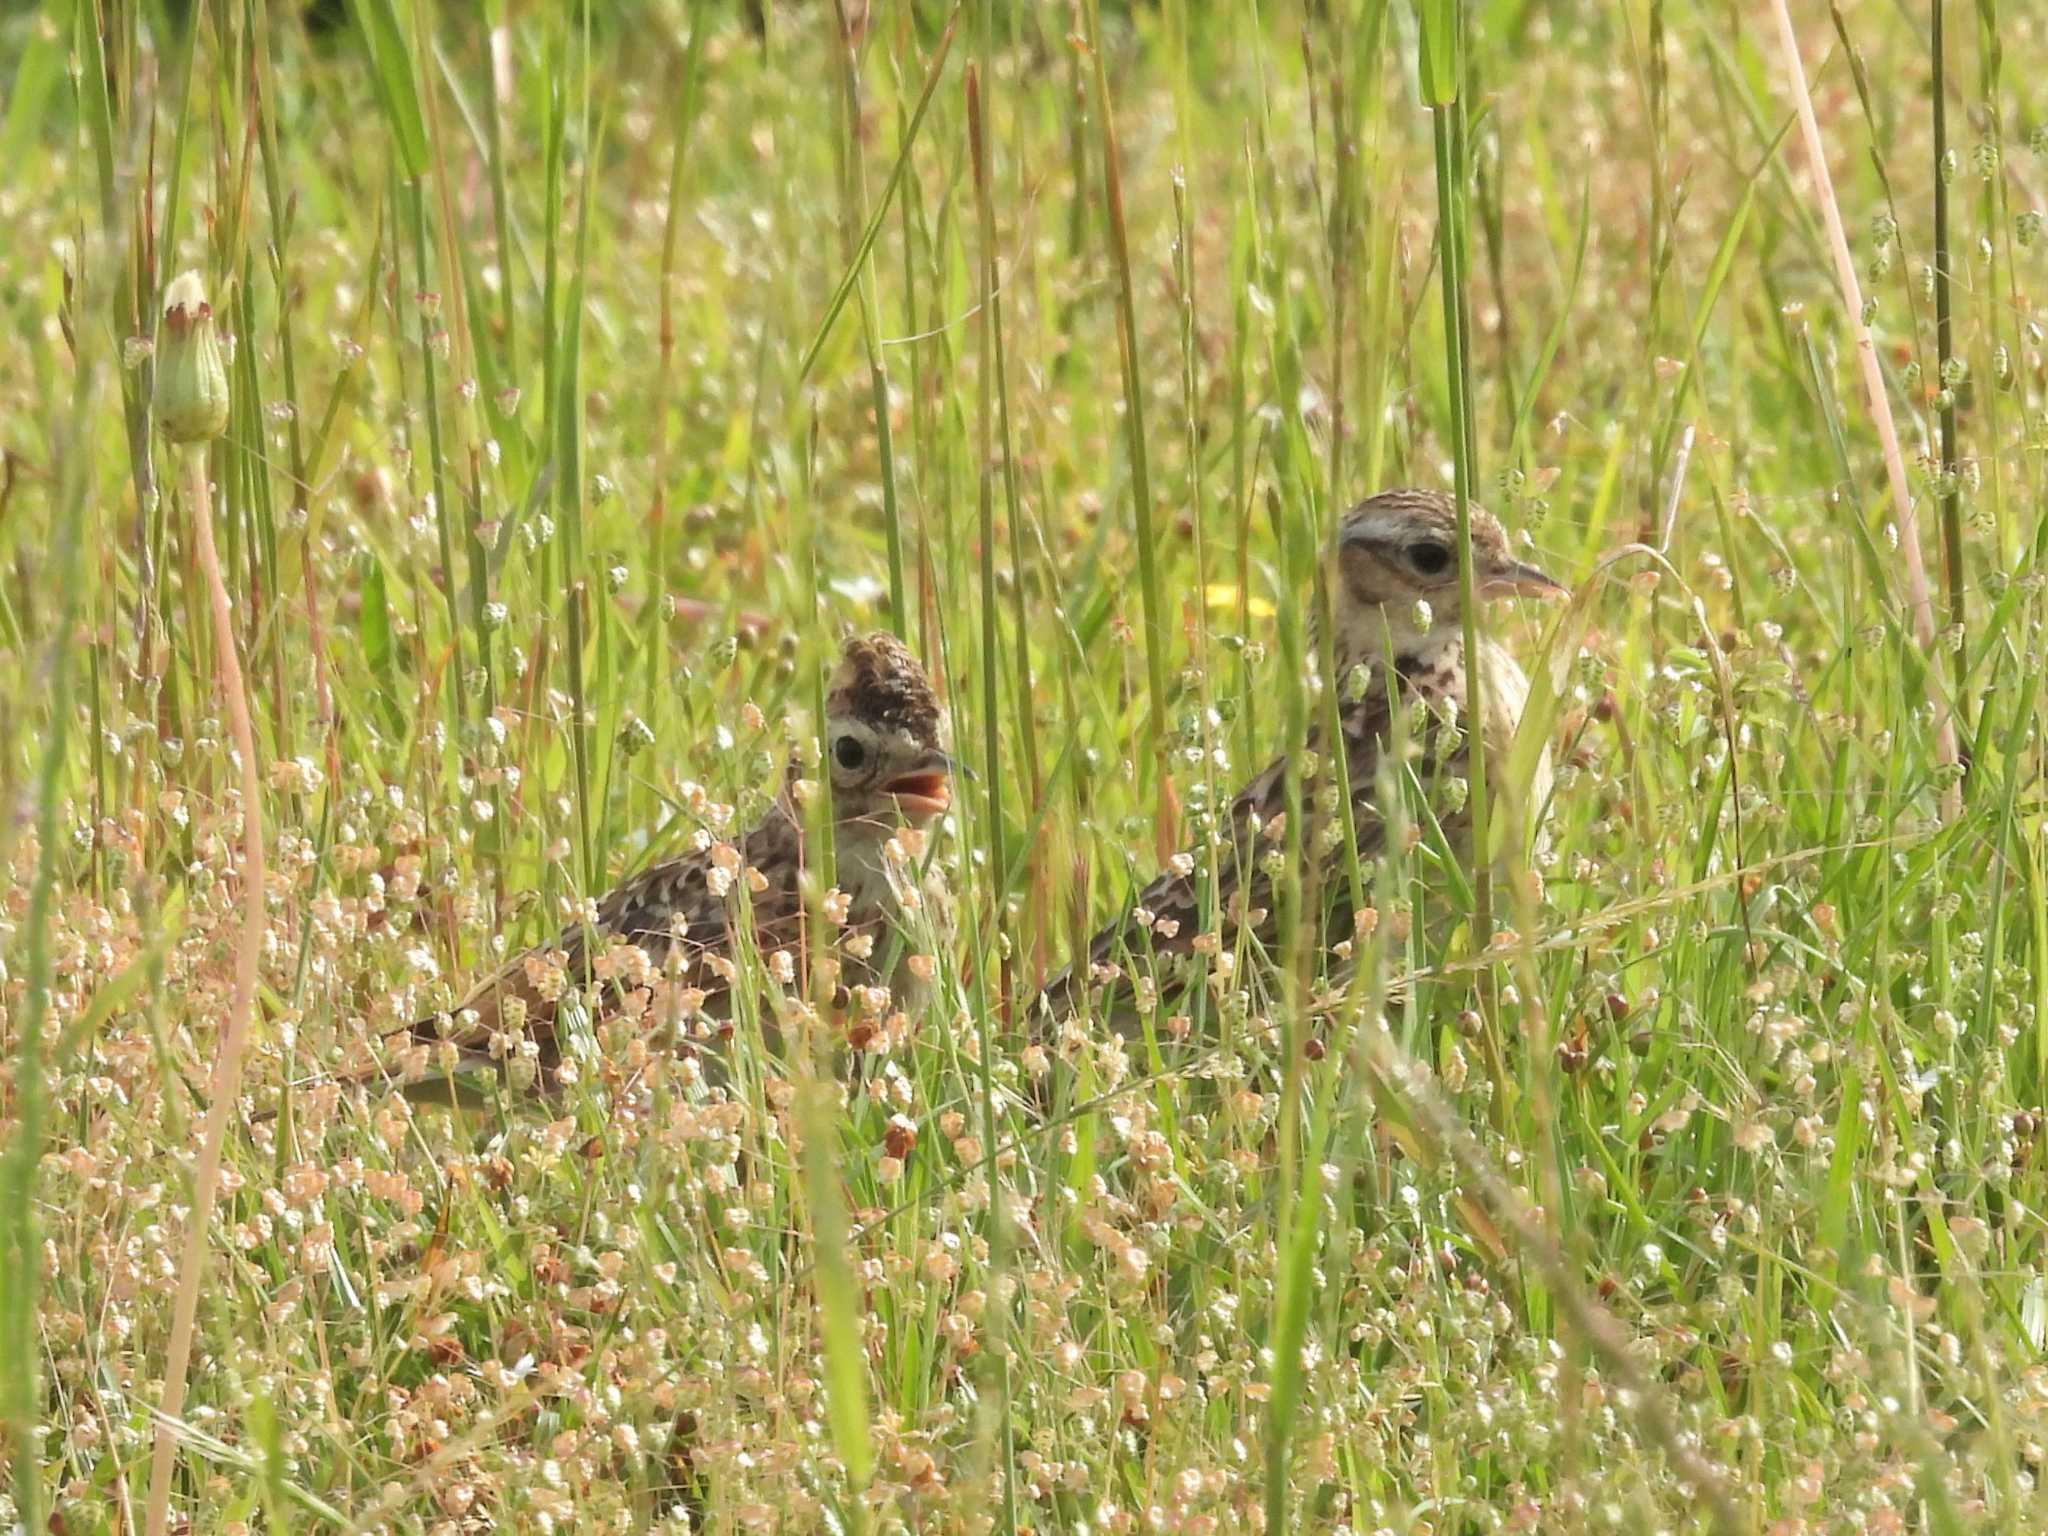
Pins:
x,y
927,790
1515,579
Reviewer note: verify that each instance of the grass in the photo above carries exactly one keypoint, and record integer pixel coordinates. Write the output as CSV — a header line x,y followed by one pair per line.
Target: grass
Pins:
x,y
590,380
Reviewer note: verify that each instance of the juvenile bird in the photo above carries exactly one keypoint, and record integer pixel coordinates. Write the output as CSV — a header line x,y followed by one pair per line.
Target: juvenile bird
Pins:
x,y
1395,614
662,947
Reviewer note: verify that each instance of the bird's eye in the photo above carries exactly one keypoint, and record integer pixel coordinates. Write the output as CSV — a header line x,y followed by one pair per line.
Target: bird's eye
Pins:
x,y
1429,558
849,753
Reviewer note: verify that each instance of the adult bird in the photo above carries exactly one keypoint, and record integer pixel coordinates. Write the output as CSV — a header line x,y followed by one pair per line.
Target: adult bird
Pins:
x,y
663,950
1399,647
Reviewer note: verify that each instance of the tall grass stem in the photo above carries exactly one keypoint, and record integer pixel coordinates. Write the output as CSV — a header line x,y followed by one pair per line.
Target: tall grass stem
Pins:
x,y
997,893
1949,483
1918,602
1130,350
225,1088
1443,66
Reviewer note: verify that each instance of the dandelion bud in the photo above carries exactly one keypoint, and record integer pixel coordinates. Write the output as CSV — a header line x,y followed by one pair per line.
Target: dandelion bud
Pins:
x,y
191,382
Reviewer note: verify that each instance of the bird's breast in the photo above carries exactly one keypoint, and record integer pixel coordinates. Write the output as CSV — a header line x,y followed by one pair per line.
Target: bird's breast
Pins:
x,y
1505,695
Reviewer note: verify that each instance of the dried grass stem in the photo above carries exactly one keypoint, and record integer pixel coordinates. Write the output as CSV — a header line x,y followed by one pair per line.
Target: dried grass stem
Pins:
x,y
1917,598
227,1065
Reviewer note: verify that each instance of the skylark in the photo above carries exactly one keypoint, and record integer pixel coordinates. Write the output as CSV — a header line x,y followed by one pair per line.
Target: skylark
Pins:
x,y
1396,630
664,947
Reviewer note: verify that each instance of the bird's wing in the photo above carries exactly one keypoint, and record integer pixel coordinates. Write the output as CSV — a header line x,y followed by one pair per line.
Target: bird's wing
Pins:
x,y
673,911
664,906
667,903
677,912
1166,916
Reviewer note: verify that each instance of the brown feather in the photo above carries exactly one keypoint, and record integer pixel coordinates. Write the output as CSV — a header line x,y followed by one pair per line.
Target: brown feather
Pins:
x,y
667,933
1393,553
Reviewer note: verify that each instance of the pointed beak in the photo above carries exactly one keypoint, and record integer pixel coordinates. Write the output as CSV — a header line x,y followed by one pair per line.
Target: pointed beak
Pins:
x,y
927,789
1515,579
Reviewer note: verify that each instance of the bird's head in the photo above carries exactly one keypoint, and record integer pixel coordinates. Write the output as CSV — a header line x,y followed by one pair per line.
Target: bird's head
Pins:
x,y
885,738
1399,549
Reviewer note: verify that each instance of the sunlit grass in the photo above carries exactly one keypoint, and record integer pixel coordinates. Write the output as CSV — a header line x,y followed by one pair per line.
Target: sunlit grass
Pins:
x,y
591,375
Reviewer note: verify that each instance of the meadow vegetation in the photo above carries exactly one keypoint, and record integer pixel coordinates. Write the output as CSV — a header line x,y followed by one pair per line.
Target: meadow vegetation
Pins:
x,y
595,368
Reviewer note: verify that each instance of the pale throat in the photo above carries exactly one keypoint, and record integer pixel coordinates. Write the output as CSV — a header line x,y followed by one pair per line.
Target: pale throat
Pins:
x,y
863,861
1391,630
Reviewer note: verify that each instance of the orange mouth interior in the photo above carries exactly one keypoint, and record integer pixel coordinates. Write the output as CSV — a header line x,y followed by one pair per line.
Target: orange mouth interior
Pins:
x,y
926,792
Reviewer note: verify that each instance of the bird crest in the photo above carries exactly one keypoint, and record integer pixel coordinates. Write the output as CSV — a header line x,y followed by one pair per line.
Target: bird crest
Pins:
x,y
880,682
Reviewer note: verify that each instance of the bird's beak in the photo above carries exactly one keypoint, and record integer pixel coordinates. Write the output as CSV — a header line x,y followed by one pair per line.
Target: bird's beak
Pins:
x,y
927,789
1514,579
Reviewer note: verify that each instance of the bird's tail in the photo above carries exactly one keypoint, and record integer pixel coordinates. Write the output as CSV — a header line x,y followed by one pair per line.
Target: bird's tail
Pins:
x,y
1055,1003
468,1083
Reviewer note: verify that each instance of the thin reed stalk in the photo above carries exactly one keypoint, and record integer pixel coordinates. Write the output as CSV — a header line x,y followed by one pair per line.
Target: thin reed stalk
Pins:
x,y
1130,350
21,1248
997,894
225,1088
854,198
1442,47
1918,603
1949,486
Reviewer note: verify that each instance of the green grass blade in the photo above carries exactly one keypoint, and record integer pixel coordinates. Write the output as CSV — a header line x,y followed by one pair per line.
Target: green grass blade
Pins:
x,y
855,267
397,87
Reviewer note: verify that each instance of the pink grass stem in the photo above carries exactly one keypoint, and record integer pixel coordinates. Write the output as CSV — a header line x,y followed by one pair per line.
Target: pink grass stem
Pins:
x,y
1917,598
227,1065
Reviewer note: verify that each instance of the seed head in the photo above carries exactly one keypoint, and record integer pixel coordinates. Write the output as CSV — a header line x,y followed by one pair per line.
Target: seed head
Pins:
x,y
191,382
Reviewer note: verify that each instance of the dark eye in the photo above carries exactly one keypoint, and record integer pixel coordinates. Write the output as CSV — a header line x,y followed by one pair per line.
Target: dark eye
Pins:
x,y
1430,559
849,753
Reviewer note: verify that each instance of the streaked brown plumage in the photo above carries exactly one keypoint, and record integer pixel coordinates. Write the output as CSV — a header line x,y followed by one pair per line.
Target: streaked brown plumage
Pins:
x,y
1392,552
663,944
